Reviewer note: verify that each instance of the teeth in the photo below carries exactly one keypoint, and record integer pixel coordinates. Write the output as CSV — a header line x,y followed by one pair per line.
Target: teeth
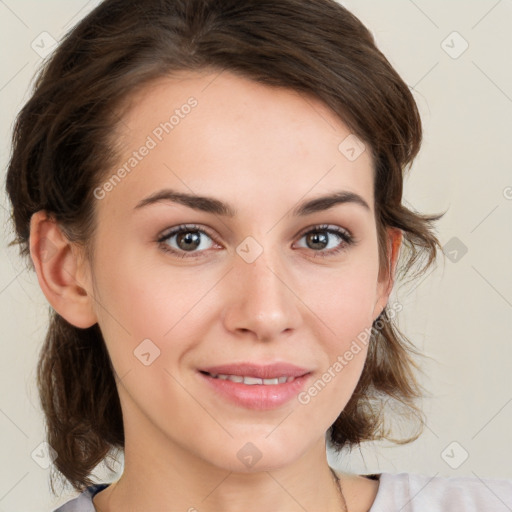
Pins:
x,y
250,380
253,380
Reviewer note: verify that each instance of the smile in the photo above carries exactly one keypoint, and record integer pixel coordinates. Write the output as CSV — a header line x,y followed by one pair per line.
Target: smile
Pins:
x,y
255,393
251,381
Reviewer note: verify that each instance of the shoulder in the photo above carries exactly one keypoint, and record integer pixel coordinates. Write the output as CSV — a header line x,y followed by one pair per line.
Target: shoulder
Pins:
x,y
83,502
412,492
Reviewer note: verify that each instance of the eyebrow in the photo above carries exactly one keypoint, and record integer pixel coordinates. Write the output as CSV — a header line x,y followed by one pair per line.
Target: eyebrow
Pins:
x,y
217,207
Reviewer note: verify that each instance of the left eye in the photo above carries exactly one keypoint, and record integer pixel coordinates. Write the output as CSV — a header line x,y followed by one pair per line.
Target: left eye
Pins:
x,y
319,238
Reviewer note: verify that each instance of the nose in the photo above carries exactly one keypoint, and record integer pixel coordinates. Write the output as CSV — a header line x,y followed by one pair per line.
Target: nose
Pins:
x,y
261,300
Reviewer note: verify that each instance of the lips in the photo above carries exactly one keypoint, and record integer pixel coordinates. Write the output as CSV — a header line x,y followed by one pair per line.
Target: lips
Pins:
x,y
257,387
269,371
256,397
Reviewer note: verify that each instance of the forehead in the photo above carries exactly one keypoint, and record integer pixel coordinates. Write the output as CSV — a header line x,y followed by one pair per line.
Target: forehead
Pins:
x,y
220,134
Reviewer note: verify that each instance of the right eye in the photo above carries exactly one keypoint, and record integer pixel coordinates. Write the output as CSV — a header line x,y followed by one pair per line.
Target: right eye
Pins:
x,y
185,241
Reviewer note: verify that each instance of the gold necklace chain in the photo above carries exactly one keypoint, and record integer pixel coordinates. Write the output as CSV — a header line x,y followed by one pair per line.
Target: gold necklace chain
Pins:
x,y
337,480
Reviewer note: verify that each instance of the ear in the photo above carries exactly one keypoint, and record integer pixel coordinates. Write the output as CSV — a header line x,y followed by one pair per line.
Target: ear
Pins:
x,y
60,271
387,279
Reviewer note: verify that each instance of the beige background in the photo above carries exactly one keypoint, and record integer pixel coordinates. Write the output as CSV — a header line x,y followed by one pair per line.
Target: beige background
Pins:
x,y
460,314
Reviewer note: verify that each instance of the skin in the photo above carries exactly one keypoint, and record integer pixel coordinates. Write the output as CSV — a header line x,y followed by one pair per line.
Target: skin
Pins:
x,y
262,150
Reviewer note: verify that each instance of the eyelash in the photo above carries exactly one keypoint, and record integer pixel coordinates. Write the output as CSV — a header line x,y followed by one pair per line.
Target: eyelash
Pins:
x,y
344,235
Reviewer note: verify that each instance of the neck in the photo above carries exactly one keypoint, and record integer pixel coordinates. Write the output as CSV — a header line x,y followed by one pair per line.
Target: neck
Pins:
x,y
159,475
340,490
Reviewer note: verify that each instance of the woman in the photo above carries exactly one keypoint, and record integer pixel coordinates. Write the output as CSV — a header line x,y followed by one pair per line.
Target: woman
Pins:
x,y
210,194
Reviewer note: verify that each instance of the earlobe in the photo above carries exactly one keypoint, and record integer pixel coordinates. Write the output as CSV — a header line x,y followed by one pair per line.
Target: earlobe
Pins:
x,y
385,286
58,271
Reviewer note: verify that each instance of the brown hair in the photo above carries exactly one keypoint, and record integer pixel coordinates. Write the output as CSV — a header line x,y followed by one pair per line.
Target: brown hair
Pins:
x,y
63,148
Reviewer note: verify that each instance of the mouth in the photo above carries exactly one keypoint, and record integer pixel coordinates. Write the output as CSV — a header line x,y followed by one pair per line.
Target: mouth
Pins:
x,y
251,381
256,371
254,386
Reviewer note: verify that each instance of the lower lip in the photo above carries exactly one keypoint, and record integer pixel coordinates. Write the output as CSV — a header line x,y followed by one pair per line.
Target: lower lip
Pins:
x,y
257,396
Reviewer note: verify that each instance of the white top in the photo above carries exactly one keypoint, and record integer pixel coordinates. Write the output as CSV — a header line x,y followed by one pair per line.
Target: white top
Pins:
x,y
409,492
404,492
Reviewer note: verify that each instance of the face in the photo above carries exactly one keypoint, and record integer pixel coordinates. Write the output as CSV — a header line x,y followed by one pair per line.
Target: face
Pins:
x,y
253,277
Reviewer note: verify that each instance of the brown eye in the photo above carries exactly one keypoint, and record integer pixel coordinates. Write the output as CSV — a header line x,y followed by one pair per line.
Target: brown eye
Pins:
x,y
320,238
317,240
189,240
186,239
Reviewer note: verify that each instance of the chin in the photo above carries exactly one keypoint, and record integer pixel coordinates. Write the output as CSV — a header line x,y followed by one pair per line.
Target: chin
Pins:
x,y
257,453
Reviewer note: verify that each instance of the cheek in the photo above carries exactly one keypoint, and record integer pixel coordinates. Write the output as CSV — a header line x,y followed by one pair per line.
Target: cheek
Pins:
x,y
344,302
344,298
145,302
343,313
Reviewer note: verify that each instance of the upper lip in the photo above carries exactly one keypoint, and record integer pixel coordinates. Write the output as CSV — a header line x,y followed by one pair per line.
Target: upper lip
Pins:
x,y
267,371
